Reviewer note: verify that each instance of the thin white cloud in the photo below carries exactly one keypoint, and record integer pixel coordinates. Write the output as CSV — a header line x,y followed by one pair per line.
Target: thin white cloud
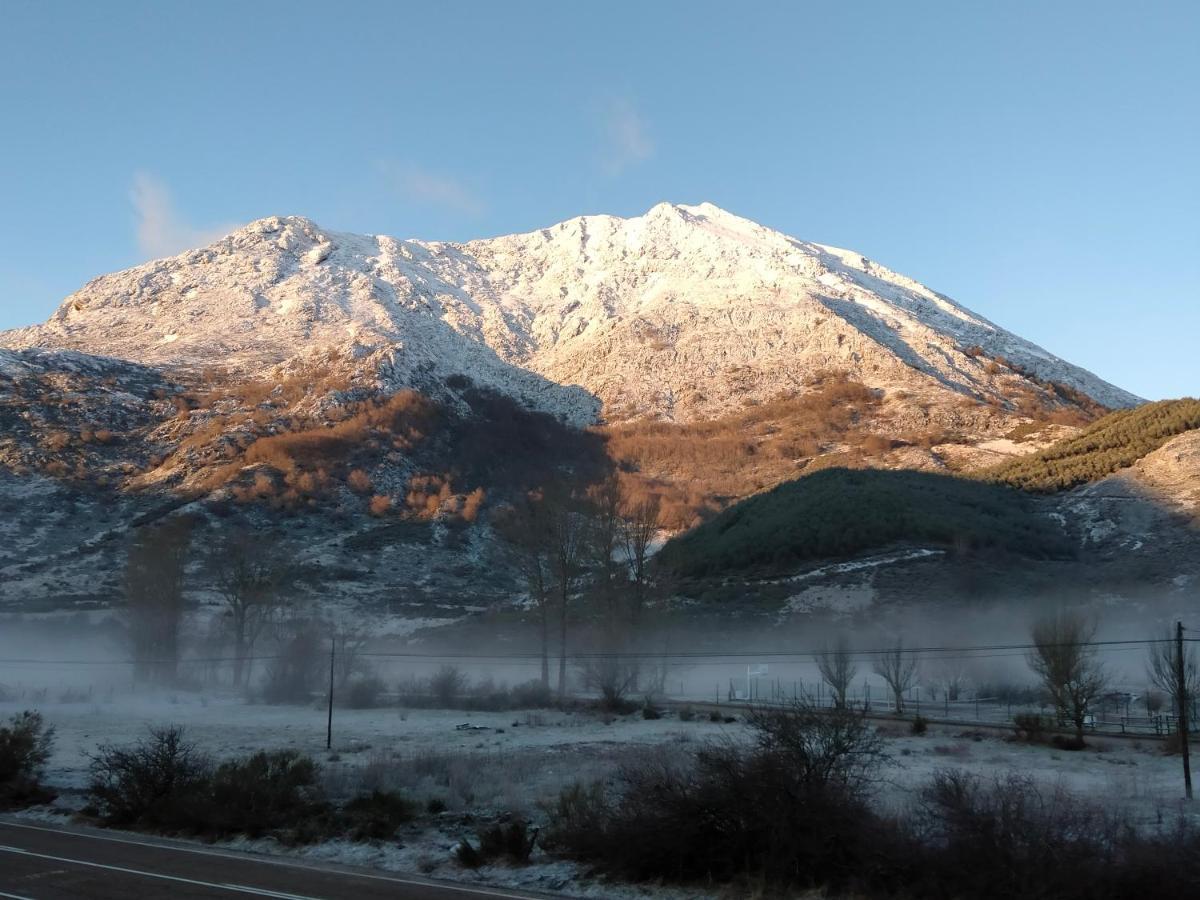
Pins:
x,y
160,229
432,188
627,138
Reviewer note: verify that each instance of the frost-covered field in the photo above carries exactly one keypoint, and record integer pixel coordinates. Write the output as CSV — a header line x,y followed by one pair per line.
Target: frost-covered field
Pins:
x,y
484,764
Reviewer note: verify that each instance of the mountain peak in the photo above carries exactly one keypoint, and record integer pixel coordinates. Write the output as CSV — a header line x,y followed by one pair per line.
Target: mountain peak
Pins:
x,y
685,311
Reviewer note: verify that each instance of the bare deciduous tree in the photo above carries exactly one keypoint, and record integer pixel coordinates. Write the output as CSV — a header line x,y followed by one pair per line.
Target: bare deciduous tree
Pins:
x,y
1163,669
252,575
605,524
639,526
952,678
567,527
612,674
898,667
154,592
837,669
1065,660
526,529
348,644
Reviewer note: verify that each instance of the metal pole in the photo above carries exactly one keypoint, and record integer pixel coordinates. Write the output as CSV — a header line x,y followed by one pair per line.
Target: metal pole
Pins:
x,y
329,723
1181,685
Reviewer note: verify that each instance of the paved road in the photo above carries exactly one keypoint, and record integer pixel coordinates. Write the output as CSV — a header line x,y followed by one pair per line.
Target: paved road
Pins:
x,y
44,863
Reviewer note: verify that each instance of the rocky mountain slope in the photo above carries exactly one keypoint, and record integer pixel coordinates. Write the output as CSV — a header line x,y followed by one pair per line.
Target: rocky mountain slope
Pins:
x,y
264,383
685,312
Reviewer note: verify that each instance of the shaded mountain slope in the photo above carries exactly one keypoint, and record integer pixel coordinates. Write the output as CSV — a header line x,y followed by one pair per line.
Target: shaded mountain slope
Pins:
x,y
842,513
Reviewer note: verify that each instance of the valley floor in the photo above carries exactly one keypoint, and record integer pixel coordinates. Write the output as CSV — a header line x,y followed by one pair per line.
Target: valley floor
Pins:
x,y
483,764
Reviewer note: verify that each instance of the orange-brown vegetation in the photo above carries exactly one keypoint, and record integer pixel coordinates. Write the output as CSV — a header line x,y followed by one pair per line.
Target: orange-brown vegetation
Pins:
x,y
380,505
472,503
319,380
698,467
359,482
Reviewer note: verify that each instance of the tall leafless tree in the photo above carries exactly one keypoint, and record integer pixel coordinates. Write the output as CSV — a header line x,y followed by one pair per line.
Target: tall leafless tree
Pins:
x,y
898,667
349,642
836,665
639,526
568,528
603,544
952,678
526,529
154,591
1163,668
1064,659
253,576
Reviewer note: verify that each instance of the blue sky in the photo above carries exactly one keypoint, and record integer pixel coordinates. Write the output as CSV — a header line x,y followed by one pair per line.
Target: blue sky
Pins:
x,y
1036,161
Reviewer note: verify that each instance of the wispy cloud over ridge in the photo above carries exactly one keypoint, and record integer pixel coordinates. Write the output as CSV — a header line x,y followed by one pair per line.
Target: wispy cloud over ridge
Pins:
x,y
627,136
161,230
430,188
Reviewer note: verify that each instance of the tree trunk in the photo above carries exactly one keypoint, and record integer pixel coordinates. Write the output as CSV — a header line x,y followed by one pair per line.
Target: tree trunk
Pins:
x,y
562,649
545,645
239,647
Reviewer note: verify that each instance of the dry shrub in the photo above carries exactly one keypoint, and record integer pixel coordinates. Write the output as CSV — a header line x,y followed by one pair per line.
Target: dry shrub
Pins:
x,y
877,443
403,417
25,745
359,482
380,505
427,493
472,503
789,810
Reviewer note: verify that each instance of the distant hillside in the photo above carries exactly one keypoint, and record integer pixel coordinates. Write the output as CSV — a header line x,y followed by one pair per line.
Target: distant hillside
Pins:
x,y
1114,442
842,512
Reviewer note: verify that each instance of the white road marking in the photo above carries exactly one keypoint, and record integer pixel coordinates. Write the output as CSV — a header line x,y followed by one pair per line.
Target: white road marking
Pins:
x,y
14,896
234,888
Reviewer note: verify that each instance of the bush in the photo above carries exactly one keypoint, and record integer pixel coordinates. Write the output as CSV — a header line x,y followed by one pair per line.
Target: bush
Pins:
x,y
266,793
25,745
513,842
531,695
919,725
446,684
686,714
1031,728
1008,838
754,820
376,816
790,810
1071,742
359,482
158,783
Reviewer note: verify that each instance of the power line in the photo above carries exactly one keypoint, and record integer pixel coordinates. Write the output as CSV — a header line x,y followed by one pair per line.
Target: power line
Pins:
x,y
981,651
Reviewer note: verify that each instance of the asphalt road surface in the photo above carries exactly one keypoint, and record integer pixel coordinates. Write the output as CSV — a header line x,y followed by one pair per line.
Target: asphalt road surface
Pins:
x,y
38,862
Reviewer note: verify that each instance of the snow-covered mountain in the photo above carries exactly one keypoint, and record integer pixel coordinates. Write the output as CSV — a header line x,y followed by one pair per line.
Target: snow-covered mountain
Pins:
x,y
682,313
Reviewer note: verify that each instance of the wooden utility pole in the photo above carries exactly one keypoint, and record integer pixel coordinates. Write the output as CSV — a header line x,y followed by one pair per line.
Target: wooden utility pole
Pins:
x,y
1181,683
329,724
